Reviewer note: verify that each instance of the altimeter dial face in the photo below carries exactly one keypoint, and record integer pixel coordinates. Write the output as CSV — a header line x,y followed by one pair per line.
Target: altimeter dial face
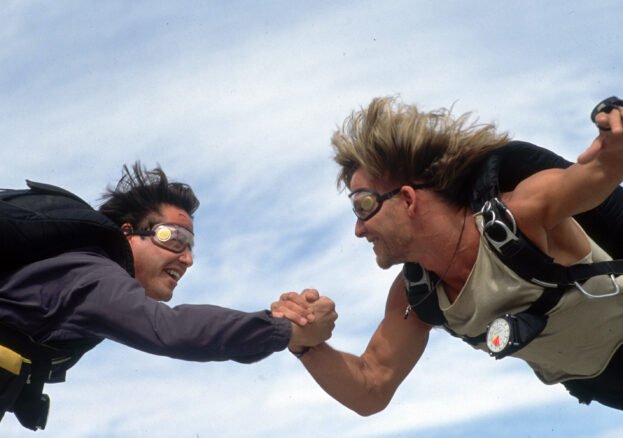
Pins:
x,y
498,335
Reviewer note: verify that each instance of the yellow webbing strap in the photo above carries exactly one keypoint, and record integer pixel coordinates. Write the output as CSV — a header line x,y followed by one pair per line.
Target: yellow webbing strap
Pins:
x,y
11,361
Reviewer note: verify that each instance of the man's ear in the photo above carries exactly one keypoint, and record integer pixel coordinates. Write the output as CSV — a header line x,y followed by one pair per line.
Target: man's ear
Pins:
x,y
127,228
409,196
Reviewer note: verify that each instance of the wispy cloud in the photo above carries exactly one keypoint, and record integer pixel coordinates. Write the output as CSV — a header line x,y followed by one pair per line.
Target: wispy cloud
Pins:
x,y
240,101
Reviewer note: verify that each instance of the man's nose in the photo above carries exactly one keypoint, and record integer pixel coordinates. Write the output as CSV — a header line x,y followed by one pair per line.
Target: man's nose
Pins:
x,y
186,257
360,228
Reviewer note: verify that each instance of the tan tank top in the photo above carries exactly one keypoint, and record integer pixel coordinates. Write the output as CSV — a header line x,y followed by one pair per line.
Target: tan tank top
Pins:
x,y
581,334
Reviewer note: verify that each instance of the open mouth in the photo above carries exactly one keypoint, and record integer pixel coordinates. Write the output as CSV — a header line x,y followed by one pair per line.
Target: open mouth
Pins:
x,y
173,274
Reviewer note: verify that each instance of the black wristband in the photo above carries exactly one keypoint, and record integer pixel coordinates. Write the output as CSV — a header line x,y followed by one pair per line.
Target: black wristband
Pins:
x,y
606,106
299,354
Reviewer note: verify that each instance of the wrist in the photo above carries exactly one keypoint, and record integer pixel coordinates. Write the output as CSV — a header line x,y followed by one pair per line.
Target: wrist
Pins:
x,y
298,351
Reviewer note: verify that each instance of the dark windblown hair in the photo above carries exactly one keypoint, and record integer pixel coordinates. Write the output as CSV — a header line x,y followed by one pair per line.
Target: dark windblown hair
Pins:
x,y
141,193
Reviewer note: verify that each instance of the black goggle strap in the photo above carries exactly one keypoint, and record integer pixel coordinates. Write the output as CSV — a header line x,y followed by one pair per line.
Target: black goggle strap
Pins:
x,y
133,232
371,201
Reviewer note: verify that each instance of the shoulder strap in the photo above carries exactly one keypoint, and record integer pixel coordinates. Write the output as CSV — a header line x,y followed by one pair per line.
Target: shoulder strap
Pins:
x,y
421,294
504,168
502,171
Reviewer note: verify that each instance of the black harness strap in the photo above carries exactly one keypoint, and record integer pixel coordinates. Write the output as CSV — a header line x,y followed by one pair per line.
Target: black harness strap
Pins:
x,y
526,260
25,397
18,341
503,170
421,295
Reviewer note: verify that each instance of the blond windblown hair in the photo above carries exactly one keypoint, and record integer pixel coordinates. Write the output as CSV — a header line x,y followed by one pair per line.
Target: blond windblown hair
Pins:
x,y
398,142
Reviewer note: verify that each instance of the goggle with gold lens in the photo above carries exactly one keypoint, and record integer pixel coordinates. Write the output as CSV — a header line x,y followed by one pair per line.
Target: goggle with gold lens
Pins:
x,y
172,237
367,202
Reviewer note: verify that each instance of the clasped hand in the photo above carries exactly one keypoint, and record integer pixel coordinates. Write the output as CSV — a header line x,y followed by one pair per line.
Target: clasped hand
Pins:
x,y
313,317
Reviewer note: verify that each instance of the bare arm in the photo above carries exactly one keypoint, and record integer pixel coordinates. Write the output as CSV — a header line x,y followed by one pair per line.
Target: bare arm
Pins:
x,y
367,383
550,197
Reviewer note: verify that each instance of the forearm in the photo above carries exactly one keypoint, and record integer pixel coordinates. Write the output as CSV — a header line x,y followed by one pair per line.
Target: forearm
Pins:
x,y
190,332
367,383
347,378
212,333
552,196
600,168
587,186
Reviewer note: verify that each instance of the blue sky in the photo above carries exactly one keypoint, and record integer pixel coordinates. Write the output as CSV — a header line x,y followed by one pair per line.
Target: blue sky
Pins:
x,y
240,99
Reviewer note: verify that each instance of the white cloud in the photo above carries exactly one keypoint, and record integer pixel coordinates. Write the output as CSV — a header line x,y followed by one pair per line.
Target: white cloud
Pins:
x,y
241,101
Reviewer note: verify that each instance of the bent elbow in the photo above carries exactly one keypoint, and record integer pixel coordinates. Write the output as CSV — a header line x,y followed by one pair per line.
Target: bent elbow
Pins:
x,y
372,408
369,412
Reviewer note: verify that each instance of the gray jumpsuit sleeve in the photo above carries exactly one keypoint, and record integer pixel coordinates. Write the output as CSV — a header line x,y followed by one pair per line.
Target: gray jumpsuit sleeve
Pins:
x,y
83,294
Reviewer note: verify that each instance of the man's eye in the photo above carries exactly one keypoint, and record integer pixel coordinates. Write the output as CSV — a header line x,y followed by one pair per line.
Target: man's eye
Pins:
x,y
367,203
163,234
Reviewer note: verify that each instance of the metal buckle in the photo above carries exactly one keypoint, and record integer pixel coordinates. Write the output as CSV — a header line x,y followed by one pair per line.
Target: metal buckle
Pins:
x,y
617,289
510,235
423,281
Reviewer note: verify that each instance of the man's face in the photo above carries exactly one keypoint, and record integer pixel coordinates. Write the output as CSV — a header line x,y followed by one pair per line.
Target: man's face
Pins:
x,y
388,229
157,269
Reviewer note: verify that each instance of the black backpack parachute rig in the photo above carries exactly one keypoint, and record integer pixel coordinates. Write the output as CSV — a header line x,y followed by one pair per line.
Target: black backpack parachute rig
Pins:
x,y
501,171
45,220
37,223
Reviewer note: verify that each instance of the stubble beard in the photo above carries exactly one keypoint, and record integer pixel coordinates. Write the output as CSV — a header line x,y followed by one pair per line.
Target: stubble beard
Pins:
x,y
383,260
391,254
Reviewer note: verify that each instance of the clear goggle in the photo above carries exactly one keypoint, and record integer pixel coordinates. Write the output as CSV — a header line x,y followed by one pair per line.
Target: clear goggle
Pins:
x,y
367,202
172,237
